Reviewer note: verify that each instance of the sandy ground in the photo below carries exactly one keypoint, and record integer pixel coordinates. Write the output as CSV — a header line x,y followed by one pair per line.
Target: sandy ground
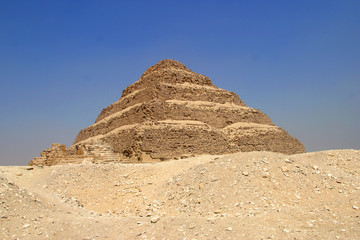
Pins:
x,y
256,195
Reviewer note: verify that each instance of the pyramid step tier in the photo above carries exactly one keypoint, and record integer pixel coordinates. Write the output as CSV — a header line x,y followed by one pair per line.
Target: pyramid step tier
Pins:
x,y
214,114
180,138
167,91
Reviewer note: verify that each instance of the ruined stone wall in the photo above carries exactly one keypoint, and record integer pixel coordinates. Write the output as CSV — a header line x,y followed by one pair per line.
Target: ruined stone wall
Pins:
x,y
94,152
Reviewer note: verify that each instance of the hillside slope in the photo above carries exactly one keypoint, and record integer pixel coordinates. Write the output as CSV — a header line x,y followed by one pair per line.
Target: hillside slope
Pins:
x,y
254,195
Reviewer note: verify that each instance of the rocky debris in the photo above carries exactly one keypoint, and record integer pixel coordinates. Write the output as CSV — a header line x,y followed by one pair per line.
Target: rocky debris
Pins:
x,y
96,152
172,112
155,219
206,197
26,225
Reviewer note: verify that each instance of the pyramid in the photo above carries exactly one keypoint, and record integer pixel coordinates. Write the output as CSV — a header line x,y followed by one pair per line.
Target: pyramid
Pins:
x,y
172,112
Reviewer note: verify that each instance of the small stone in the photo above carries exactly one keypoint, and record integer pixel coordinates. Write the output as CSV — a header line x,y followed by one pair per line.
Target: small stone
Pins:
x,y
286,230
245,173
355,207
213,179
284,169
315,167
211,220
155,219
229,229
19,174
201,185
287,160
26,225
29,168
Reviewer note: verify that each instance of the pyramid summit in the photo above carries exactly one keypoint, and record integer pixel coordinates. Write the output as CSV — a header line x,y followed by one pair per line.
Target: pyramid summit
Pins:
x,y
166,80
172,112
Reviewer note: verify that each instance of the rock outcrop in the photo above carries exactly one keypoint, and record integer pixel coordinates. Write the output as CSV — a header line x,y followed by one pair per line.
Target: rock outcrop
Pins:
x,y
173,112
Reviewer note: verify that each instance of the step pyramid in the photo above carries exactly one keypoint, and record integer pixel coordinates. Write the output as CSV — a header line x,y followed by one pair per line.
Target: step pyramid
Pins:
x,y
173,112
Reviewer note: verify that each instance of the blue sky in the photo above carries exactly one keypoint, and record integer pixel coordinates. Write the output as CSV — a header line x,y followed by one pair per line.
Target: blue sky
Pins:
x,y
61,62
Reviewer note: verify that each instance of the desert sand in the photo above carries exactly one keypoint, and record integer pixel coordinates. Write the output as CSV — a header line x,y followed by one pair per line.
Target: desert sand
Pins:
x,y
253,195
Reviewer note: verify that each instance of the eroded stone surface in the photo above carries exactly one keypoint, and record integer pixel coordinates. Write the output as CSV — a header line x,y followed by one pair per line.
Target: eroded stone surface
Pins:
x,y
173,112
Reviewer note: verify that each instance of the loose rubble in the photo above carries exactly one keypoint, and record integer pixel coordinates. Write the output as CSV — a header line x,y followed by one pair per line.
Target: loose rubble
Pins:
x,y
255,195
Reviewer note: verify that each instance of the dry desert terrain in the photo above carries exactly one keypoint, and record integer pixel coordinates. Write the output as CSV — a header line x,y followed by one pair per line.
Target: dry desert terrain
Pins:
x,y
254,195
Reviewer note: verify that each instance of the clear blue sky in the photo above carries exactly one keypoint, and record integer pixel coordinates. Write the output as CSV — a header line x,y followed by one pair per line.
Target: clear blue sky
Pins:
x,y
61,62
